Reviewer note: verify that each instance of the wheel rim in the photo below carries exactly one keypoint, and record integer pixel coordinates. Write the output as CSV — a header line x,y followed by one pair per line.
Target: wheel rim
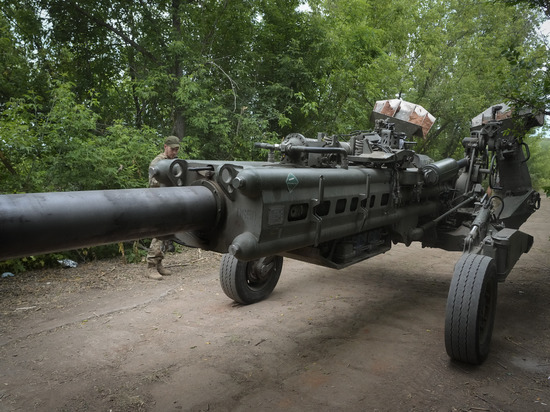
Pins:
x,y
260,271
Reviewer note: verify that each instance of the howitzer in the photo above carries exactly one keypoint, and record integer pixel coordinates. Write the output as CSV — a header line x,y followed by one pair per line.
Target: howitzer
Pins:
x,y
332,201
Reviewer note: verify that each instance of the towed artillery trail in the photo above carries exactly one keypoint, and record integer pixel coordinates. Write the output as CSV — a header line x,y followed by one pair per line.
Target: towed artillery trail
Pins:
x,y
366,338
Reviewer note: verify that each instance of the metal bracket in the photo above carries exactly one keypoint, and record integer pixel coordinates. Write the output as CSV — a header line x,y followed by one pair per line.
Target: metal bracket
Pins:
x,y
314,203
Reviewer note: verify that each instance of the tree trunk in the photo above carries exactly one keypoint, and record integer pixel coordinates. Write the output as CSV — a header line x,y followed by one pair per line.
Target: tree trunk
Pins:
x,y
178,119
178,123
6,162
133,77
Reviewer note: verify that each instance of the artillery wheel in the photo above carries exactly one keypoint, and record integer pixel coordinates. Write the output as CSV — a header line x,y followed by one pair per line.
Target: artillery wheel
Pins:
x,y
471,307
249,282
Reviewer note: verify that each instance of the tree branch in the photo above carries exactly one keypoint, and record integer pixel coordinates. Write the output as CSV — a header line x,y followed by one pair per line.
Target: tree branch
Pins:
x,y
118,32
231,81
6,162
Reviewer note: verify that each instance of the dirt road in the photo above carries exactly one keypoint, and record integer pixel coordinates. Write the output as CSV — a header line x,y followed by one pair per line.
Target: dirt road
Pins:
x,y
101,337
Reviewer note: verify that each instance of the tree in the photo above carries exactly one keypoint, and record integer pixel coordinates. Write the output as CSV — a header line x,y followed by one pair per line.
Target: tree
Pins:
x,y
61,149
539,167
89,89
460,63
223,74
535,4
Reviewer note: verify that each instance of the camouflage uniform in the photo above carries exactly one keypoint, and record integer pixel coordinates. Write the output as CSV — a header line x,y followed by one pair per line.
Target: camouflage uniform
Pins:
x,y
155,254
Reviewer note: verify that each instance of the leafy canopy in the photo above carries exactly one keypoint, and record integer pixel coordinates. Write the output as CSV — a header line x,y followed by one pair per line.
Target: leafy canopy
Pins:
x,y
89,89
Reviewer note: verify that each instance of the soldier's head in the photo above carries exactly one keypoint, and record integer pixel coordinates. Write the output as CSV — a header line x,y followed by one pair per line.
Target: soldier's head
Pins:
x,y
171,147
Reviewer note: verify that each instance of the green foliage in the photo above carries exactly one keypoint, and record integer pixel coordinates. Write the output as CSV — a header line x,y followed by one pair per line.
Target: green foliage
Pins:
x,y
62,149
540,4
222,75
539,162
459,57
89,89
31,263
13,65
133,254
130,252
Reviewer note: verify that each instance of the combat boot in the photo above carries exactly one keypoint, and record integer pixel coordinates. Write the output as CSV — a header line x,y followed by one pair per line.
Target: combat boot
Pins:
x,y
152,273
162,270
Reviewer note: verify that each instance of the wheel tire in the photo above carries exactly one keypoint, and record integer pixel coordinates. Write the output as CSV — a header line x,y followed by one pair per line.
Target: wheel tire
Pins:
x,y
471,307
249,282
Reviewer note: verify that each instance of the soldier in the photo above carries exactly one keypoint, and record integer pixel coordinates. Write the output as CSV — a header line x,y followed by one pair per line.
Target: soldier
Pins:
x,y
155,254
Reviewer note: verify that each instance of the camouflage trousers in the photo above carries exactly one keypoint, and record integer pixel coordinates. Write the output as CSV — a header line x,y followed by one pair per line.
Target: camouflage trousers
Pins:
x,y
155,254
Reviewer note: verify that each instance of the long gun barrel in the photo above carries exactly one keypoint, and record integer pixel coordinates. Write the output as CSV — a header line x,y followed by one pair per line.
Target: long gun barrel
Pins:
x,y
48,222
